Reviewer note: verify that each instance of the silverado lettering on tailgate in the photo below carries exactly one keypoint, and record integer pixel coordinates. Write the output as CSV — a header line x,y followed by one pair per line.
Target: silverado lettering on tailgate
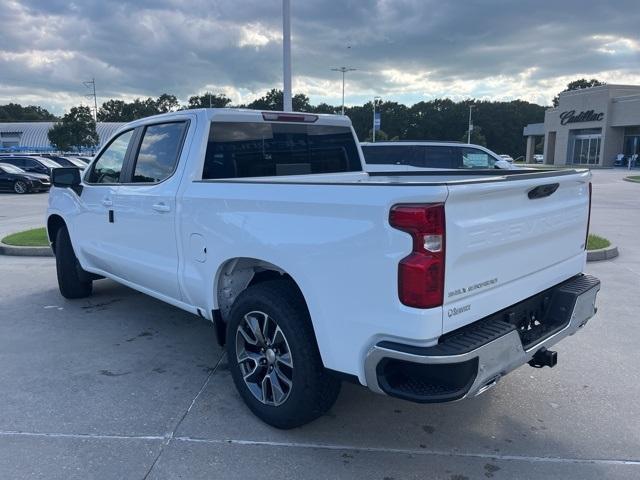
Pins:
x,y
488,235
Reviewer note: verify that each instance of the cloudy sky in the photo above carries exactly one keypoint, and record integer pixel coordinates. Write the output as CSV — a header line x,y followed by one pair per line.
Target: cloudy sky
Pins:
x,y
404,50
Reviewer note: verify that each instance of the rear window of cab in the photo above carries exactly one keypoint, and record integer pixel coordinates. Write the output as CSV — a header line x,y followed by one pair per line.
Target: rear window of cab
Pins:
x,y
264,149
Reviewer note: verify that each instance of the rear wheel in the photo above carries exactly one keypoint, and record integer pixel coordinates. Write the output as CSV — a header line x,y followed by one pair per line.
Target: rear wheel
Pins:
x,y
274,359
72,280
20,187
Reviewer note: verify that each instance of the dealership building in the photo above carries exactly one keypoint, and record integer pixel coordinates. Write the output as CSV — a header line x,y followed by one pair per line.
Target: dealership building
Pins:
x,y
592,127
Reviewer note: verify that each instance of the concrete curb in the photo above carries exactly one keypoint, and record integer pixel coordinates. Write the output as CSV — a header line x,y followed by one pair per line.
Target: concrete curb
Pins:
x,y
602,254
627,179
25,251
592,255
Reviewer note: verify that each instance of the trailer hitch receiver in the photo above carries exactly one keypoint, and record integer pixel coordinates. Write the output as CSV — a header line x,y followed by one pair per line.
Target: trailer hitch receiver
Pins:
x,y
544,358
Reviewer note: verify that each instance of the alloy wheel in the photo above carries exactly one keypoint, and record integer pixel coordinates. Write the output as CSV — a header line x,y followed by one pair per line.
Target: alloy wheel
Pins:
x,y
20,187
264,358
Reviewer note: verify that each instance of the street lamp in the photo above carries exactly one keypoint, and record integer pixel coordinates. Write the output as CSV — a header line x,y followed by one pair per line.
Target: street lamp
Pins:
x,y
375,99
286,55
471,107
343,70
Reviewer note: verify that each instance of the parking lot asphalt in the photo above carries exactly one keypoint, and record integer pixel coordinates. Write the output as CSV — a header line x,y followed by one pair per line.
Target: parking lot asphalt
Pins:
x,y
21,212
120,385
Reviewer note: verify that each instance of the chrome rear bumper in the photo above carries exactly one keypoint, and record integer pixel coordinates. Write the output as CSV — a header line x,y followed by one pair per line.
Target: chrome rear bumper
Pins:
x,y
486,349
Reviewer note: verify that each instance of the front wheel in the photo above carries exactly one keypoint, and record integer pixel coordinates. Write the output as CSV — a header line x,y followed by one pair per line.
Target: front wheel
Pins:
x,y
20,187
71,278
274,359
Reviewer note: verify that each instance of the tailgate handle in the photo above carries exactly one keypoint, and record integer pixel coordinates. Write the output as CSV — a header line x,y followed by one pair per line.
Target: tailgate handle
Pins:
x,y
542,191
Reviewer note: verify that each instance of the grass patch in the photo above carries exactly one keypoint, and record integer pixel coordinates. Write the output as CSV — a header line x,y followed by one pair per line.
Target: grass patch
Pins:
x,y
36,237
594,242
634,178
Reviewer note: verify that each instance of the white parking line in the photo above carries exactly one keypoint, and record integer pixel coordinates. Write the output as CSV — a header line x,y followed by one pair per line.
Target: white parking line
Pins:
x,y
325,446
17,433
422,451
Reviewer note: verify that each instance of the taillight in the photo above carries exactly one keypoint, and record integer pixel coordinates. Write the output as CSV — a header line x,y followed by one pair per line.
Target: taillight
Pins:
x,y
586,239
421,274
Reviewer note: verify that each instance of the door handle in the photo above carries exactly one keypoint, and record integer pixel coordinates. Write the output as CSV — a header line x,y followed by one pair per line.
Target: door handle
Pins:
x,y
107,202
161,207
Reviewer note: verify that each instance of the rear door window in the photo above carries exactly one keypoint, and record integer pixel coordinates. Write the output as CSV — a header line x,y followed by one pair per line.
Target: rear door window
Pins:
x,y
108,167
475,158
159,151
441,157
261,149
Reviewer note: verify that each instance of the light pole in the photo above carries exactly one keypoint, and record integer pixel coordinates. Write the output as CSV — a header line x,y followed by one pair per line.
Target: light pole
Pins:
x,y
471,107
343,70
92,84
286,55
375,99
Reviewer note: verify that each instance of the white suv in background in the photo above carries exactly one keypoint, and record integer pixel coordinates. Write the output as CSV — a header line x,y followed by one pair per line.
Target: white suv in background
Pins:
x,y
407,156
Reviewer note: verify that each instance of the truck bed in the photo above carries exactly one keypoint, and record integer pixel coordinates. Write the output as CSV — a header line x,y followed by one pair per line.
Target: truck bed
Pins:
x,y
333,236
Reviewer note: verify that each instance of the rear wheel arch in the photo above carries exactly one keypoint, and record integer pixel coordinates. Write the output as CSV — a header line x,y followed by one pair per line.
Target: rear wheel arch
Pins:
x,y
235,276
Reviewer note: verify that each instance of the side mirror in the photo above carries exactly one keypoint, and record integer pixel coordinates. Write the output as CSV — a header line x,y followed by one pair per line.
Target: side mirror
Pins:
x,y
67,177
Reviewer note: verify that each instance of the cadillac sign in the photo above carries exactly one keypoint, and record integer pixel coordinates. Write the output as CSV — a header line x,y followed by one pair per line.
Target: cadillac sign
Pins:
x,y
588,116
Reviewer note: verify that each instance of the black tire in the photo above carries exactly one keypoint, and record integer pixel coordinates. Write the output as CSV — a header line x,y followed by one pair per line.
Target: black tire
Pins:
x,y
20,187
313,390
71,278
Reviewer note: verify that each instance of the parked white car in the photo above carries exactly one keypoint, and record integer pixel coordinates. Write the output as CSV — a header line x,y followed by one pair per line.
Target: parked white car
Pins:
x,y
417,156
428,286
538,158
506,157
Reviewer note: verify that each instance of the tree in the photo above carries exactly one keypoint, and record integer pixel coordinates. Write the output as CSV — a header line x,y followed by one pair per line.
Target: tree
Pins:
x,y
477,138
113,111
209,100
381,136
501,123
324,108
167,103
121,111
274,100
578,85
76,130
13,112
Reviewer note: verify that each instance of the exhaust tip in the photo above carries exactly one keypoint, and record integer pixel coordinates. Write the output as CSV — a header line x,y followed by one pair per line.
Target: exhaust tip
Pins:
x,y
544,358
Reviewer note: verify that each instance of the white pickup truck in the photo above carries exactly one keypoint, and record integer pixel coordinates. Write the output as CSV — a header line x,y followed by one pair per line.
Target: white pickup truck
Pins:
x,y
426,286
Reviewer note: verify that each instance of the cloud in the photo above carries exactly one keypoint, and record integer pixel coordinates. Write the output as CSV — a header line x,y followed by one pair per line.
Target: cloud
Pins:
x,y
405,50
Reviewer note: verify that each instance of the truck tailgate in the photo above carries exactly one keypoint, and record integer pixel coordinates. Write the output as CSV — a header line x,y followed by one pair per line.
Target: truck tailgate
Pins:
x,y
506,240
